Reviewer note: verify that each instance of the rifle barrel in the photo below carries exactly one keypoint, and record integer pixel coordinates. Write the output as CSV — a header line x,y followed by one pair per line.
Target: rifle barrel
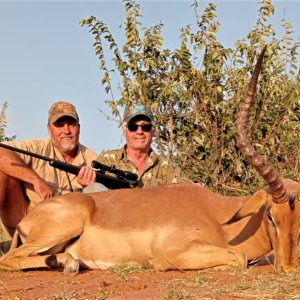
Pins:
x,y
25,152
109,181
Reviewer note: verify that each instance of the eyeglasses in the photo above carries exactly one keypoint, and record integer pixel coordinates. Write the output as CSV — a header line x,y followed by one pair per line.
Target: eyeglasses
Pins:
x,y
134,127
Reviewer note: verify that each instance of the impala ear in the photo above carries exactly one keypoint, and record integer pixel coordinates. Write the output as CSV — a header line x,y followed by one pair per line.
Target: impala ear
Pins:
x,y
250,207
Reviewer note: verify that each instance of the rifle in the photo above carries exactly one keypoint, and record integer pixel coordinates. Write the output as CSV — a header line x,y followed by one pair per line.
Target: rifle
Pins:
x,y
112,169
124,179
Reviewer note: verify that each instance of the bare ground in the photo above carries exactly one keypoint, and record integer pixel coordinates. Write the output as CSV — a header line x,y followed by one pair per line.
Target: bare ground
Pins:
x,y
256,282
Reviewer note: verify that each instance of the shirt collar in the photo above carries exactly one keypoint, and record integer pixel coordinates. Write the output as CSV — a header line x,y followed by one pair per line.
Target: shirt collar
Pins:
x,y
153,157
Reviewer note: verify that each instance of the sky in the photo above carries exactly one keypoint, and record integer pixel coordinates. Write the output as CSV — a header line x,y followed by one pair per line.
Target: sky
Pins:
x,y
46,56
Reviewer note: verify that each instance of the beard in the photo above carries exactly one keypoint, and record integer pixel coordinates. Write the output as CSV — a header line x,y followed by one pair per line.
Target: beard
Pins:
x,y
65,146
68,146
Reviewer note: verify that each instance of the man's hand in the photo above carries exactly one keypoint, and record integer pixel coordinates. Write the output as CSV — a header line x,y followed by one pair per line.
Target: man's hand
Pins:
x,y
43,189
86,176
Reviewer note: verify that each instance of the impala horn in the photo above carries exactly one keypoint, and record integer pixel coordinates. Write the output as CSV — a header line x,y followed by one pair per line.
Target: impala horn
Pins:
x,y
271,177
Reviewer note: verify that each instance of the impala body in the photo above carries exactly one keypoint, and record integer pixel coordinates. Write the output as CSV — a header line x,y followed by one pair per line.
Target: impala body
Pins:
x,y
180,226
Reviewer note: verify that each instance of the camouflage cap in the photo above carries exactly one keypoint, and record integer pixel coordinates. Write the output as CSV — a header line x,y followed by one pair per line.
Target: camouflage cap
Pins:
x,y
62,109
136,110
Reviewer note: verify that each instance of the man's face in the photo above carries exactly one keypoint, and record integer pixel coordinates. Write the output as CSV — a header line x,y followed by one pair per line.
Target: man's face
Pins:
x,y
137,134
64,134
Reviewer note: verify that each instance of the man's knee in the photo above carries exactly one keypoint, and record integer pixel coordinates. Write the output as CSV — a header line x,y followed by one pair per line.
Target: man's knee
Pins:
x,y
9,183
13,203
4,178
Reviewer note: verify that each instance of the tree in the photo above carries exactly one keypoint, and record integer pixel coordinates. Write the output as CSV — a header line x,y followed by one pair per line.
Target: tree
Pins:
x,y
3,123
195,91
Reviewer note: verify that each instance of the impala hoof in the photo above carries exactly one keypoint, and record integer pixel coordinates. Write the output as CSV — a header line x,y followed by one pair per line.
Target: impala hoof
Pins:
x,y
71,266
51,261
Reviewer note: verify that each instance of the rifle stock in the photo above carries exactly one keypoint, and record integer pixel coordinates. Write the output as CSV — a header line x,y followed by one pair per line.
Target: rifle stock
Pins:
x,y
110,182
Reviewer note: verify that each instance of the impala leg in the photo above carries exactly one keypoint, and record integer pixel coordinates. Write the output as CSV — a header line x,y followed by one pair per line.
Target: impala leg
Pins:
x,y
19,259
199,256
65,260
14,241
46,240
15,262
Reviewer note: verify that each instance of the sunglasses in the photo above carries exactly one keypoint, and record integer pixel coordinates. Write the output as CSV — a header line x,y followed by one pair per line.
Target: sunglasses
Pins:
x,y
134,127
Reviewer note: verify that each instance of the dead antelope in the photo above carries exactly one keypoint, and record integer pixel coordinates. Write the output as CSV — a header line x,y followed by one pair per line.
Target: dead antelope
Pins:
x,y
181,226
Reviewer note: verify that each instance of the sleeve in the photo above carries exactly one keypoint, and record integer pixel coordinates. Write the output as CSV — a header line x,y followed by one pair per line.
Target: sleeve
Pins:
x,y
27,145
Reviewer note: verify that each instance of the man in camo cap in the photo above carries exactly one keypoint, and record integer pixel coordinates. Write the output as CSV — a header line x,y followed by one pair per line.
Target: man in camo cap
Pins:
x,y
137,155
25,180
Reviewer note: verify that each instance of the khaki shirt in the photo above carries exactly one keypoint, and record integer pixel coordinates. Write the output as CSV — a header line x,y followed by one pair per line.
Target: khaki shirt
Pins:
x,y
159,170
61,181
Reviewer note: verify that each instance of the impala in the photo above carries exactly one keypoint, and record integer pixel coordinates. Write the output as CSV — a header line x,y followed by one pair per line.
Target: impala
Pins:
x,y
179,226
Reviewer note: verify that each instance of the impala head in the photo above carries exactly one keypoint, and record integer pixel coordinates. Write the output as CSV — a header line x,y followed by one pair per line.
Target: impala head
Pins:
x,y
282,215
283,225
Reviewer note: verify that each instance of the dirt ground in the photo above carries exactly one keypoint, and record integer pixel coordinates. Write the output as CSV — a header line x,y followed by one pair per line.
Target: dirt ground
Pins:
x,y
259,282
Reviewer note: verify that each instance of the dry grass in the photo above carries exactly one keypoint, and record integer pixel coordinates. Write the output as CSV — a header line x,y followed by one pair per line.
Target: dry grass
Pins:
x,y
235,285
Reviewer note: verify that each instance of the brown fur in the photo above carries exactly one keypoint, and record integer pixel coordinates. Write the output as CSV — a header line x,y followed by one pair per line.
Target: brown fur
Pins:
x,y
168,227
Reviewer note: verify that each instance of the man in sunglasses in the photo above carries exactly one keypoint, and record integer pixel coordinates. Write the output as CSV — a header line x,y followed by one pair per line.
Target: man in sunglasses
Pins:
x,y
137,155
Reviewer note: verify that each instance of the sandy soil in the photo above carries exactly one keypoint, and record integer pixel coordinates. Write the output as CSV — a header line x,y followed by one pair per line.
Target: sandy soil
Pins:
x,y
139,284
